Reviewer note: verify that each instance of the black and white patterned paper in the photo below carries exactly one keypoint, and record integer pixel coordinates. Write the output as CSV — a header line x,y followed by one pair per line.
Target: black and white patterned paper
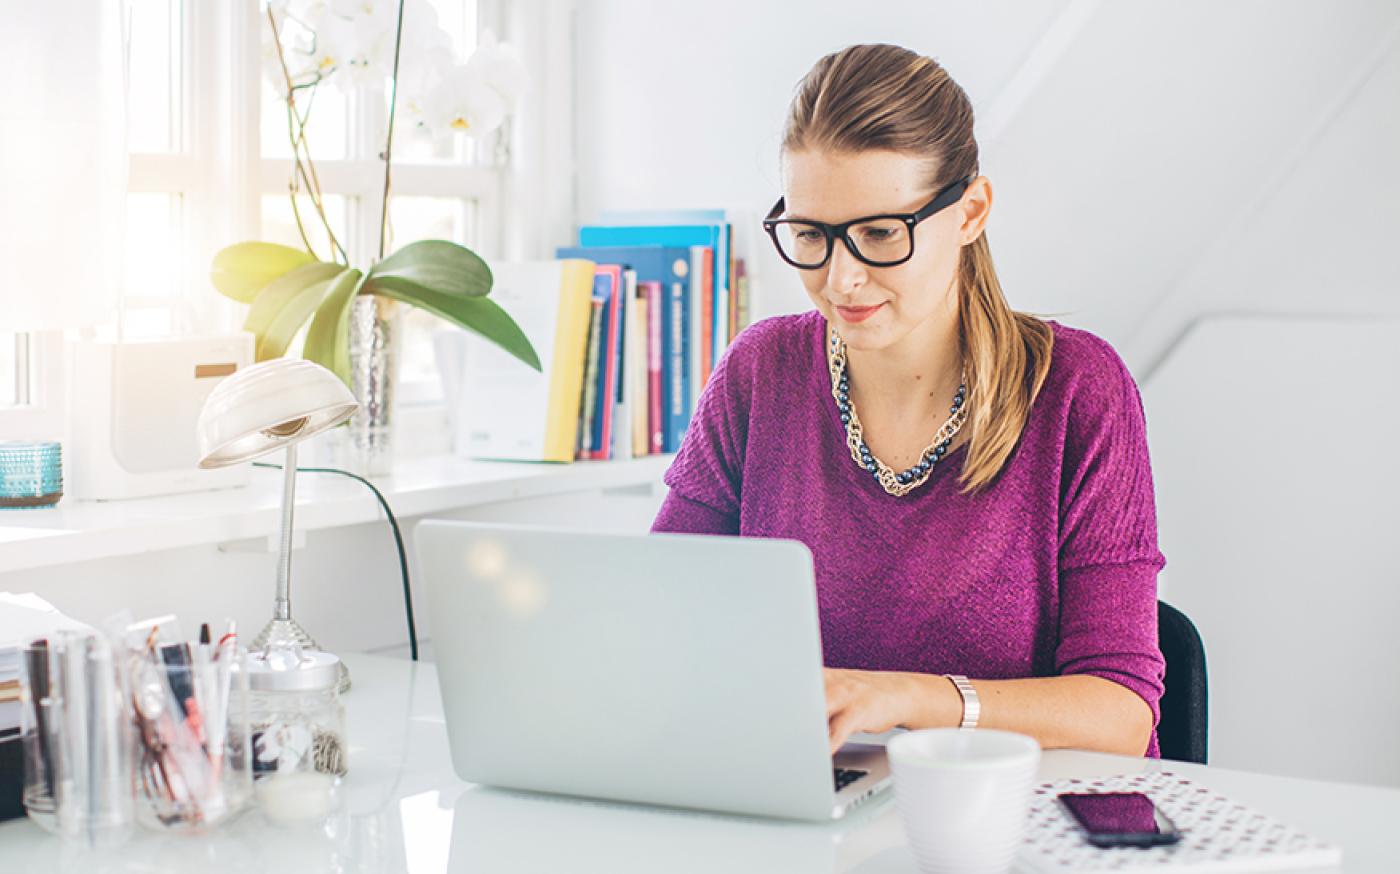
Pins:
x,y
1217,834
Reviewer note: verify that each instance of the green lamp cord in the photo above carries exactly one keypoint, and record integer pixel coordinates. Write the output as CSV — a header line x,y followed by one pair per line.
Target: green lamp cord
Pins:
x,y
398,541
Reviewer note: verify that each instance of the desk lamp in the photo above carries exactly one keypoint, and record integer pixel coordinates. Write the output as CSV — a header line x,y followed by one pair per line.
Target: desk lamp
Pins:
x,y
274,405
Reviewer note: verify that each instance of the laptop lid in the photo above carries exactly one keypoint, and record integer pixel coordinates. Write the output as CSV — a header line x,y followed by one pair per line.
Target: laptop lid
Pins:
x,y
671,669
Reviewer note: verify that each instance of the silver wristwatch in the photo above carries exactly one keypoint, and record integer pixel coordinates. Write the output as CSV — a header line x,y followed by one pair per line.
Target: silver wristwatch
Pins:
x,y
972,706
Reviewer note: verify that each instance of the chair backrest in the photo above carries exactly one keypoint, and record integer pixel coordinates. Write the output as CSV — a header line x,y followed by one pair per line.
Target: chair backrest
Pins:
x,y
1181,731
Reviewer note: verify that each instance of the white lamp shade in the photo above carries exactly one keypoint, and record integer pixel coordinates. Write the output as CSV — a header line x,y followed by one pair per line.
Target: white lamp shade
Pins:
x,y
267,407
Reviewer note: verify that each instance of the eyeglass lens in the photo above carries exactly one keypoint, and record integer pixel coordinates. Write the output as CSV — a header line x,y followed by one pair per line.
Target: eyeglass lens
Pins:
x,y
878,240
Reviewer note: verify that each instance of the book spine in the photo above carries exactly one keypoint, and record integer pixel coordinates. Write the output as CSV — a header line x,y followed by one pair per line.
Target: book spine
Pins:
x,y
724,282
570,344
590,379
742,297
641,378
608,349
624,417
678,361
702,303
655,393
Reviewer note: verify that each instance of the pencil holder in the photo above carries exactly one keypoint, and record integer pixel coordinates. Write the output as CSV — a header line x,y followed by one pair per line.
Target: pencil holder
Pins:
x,y
190,709
77,739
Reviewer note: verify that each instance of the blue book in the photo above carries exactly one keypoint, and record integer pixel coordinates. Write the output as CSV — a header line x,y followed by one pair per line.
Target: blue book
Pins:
x,y
603,288
669,265
716,235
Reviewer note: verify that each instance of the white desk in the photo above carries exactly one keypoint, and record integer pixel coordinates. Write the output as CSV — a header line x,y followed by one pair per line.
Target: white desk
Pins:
x,y
405,811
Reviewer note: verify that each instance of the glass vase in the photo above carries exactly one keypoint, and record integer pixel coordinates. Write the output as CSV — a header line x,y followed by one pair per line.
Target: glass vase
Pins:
x,y
375,334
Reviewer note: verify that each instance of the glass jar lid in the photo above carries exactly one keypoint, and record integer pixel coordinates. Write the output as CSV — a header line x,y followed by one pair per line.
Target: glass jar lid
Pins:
x,y
293,670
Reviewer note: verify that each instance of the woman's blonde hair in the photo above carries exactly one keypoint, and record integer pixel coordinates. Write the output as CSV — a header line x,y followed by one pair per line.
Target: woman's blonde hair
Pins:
x,y
888,98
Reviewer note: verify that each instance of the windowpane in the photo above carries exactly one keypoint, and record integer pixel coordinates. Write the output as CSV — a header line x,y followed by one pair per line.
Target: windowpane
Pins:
x,y
154,262
156,81
423,218
279,223
327,127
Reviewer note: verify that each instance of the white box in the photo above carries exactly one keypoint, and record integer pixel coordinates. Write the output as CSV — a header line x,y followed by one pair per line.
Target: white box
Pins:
x,y
133,407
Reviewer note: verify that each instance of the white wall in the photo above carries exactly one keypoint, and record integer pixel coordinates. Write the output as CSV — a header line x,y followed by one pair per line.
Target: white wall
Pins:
x,y
1153,164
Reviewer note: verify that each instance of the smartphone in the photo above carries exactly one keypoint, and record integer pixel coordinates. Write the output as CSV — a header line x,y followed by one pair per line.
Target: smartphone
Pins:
x,y
1119,819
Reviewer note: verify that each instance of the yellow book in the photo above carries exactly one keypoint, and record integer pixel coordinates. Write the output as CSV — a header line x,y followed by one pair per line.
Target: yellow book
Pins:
x,y
507,410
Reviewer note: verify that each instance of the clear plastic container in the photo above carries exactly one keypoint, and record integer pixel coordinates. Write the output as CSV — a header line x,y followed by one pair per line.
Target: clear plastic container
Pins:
x,y
298,733
77,739
193,764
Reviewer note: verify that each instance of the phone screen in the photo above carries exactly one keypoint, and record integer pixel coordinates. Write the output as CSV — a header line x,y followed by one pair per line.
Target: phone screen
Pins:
x,y
1118,818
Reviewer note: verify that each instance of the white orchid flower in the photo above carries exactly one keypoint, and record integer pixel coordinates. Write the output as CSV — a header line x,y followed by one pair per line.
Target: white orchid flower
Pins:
x,y
499,66
464,103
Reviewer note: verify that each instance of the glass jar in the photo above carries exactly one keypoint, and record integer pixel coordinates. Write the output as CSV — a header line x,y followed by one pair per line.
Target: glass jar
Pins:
x,y
298,733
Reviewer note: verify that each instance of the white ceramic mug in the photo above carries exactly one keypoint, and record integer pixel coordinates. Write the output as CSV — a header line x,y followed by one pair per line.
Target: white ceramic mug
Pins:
x,y
964,796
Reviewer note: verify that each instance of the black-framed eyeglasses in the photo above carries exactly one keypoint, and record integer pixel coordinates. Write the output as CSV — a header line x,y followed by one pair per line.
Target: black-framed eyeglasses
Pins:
x,y
878,240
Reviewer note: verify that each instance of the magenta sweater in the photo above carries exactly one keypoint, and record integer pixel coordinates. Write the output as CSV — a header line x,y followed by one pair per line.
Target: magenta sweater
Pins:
x,y
1050,570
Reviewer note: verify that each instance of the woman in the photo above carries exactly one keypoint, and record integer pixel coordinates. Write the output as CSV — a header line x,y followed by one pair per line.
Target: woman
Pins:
x,y
972,482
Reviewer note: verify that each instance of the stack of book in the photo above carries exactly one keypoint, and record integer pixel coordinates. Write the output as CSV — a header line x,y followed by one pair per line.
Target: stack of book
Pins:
x,y
23,618
628,325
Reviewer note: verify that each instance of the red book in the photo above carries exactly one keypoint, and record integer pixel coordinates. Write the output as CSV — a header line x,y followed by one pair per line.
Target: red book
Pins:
x,y
656,422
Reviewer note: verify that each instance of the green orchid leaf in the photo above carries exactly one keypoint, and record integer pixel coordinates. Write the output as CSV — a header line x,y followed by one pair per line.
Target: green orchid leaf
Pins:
x,y
328,338
285,304
241,270
439,266
481,315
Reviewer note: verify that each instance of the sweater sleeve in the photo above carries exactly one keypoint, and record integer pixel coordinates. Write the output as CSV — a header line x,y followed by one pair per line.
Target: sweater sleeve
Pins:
x,y
705,479
1109,559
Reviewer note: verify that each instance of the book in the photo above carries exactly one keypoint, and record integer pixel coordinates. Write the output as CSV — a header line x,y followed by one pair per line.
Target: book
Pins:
x,y
588,411
639,371
678,228
631,374
669,265
508,411
656,420
741,298
702,302
607,283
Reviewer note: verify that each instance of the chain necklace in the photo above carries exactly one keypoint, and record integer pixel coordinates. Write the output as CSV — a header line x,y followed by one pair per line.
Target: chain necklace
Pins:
x,y
897,484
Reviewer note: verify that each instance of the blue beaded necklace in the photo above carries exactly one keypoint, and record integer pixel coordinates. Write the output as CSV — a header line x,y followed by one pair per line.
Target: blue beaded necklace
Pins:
x,y
897,484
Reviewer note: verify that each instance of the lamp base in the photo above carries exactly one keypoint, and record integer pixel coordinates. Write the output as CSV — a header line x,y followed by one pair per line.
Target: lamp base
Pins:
x,y
288,632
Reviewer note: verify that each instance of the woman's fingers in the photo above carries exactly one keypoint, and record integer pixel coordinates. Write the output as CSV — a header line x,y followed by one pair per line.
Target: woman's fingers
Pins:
x,y
839,729
836,693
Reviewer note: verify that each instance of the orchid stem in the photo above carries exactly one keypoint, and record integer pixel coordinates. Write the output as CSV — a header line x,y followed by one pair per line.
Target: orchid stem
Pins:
x,y
389,139
296,133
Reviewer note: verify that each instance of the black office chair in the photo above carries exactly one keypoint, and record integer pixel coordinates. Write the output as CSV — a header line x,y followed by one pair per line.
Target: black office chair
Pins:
x,y
1181,731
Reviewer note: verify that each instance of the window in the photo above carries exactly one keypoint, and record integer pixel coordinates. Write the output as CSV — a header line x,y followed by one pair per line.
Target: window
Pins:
x,y
437,189
209,165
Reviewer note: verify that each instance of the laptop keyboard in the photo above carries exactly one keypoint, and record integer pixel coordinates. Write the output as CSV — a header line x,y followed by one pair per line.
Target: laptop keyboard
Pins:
x,y
847,776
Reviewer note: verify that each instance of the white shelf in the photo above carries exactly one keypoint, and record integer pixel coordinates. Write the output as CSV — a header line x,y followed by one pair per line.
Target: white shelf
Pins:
x,y
77,531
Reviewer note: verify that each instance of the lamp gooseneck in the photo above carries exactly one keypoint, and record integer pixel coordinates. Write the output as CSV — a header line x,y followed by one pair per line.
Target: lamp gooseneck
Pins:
x,y
282,630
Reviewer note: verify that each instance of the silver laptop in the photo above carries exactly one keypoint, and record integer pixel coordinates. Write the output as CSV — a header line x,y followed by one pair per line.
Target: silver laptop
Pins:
x,y
680,670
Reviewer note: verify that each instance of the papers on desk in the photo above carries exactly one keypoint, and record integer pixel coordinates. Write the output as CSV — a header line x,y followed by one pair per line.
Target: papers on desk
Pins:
x,y
22,618
1217,834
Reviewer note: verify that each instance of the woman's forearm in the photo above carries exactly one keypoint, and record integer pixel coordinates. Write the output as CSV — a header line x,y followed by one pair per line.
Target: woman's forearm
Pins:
x,y
1080,711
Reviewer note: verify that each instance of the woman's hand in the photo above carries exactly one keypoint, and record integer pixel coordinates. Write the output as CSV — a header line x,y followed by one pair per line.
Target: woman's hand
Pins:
x,y
873,701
